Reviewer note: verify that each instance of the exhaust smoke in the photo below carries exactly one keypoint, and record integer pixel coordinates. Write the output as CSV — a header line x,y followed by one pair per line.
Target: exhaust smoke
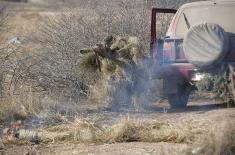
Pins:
x,y
124,67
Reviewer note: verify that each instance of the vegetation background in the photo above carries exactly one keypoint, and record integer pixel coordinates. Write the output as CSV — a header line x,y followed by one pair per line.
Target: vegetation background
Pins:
x,y
40,76
40,43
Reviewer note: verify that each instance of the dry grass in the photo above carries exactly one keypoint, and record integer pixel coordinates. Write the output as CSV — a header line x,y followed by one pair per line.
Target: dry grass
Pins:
x,y
131,130
202,135
19,107
88,62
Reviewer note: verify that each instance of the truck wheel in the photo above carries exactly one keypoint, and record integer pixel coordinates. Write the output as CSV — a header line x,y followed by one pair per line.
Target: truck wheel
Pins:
x,y
180,98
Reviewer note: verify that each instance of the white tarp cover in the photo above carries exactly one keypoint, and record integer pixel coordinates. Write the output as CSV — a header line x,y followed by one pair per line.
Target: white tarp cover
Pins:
x,y
205,45
223,15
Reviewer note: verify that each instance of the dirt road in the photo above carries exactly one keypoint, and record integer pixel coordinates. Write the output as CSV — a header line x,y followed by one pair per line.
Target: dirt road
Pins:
x,y
106,149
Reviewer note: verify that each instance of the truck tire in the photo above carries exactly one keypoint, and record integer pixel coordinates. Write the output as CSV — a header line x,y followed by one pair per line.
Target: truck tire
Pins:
x,y
205,45
179,99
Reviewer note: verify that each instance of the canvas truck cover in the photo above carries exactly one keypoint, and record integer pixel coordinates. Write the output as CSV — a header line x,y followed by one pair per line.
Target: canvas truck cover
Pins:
x,y
206,30
205,45
222,14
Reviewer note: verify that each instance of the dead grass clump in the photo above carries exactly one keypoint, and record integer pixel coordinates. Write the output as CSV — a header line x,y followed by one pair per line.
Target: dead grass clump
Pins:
x,y
82,131
79,131
125,131
132,131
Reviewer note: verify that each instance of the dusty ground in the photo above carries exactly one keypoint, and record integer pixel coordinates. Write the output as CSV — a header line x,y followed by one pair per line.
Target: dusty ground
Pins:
x,y
202,112
106,149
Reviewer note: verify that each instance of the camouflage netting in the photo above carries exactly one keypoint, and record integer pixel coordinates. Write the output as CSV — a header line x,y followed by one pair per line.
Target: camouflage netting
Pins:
x,y
122,64
219,81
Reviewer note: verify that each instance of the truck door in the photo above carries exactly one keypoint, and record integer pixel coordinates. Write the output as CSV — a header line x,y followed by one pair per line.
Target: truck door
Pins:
x,y
156,44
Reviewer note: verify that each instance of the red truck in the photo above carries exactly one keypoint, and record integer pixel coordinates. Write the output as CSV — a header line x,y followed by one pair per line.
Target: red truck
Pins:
x,y
201,36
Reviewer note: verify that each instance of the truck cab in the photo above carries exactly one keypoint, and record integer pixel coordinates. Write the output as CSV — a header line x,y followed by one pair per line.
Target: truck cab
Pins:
x,y
199,38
